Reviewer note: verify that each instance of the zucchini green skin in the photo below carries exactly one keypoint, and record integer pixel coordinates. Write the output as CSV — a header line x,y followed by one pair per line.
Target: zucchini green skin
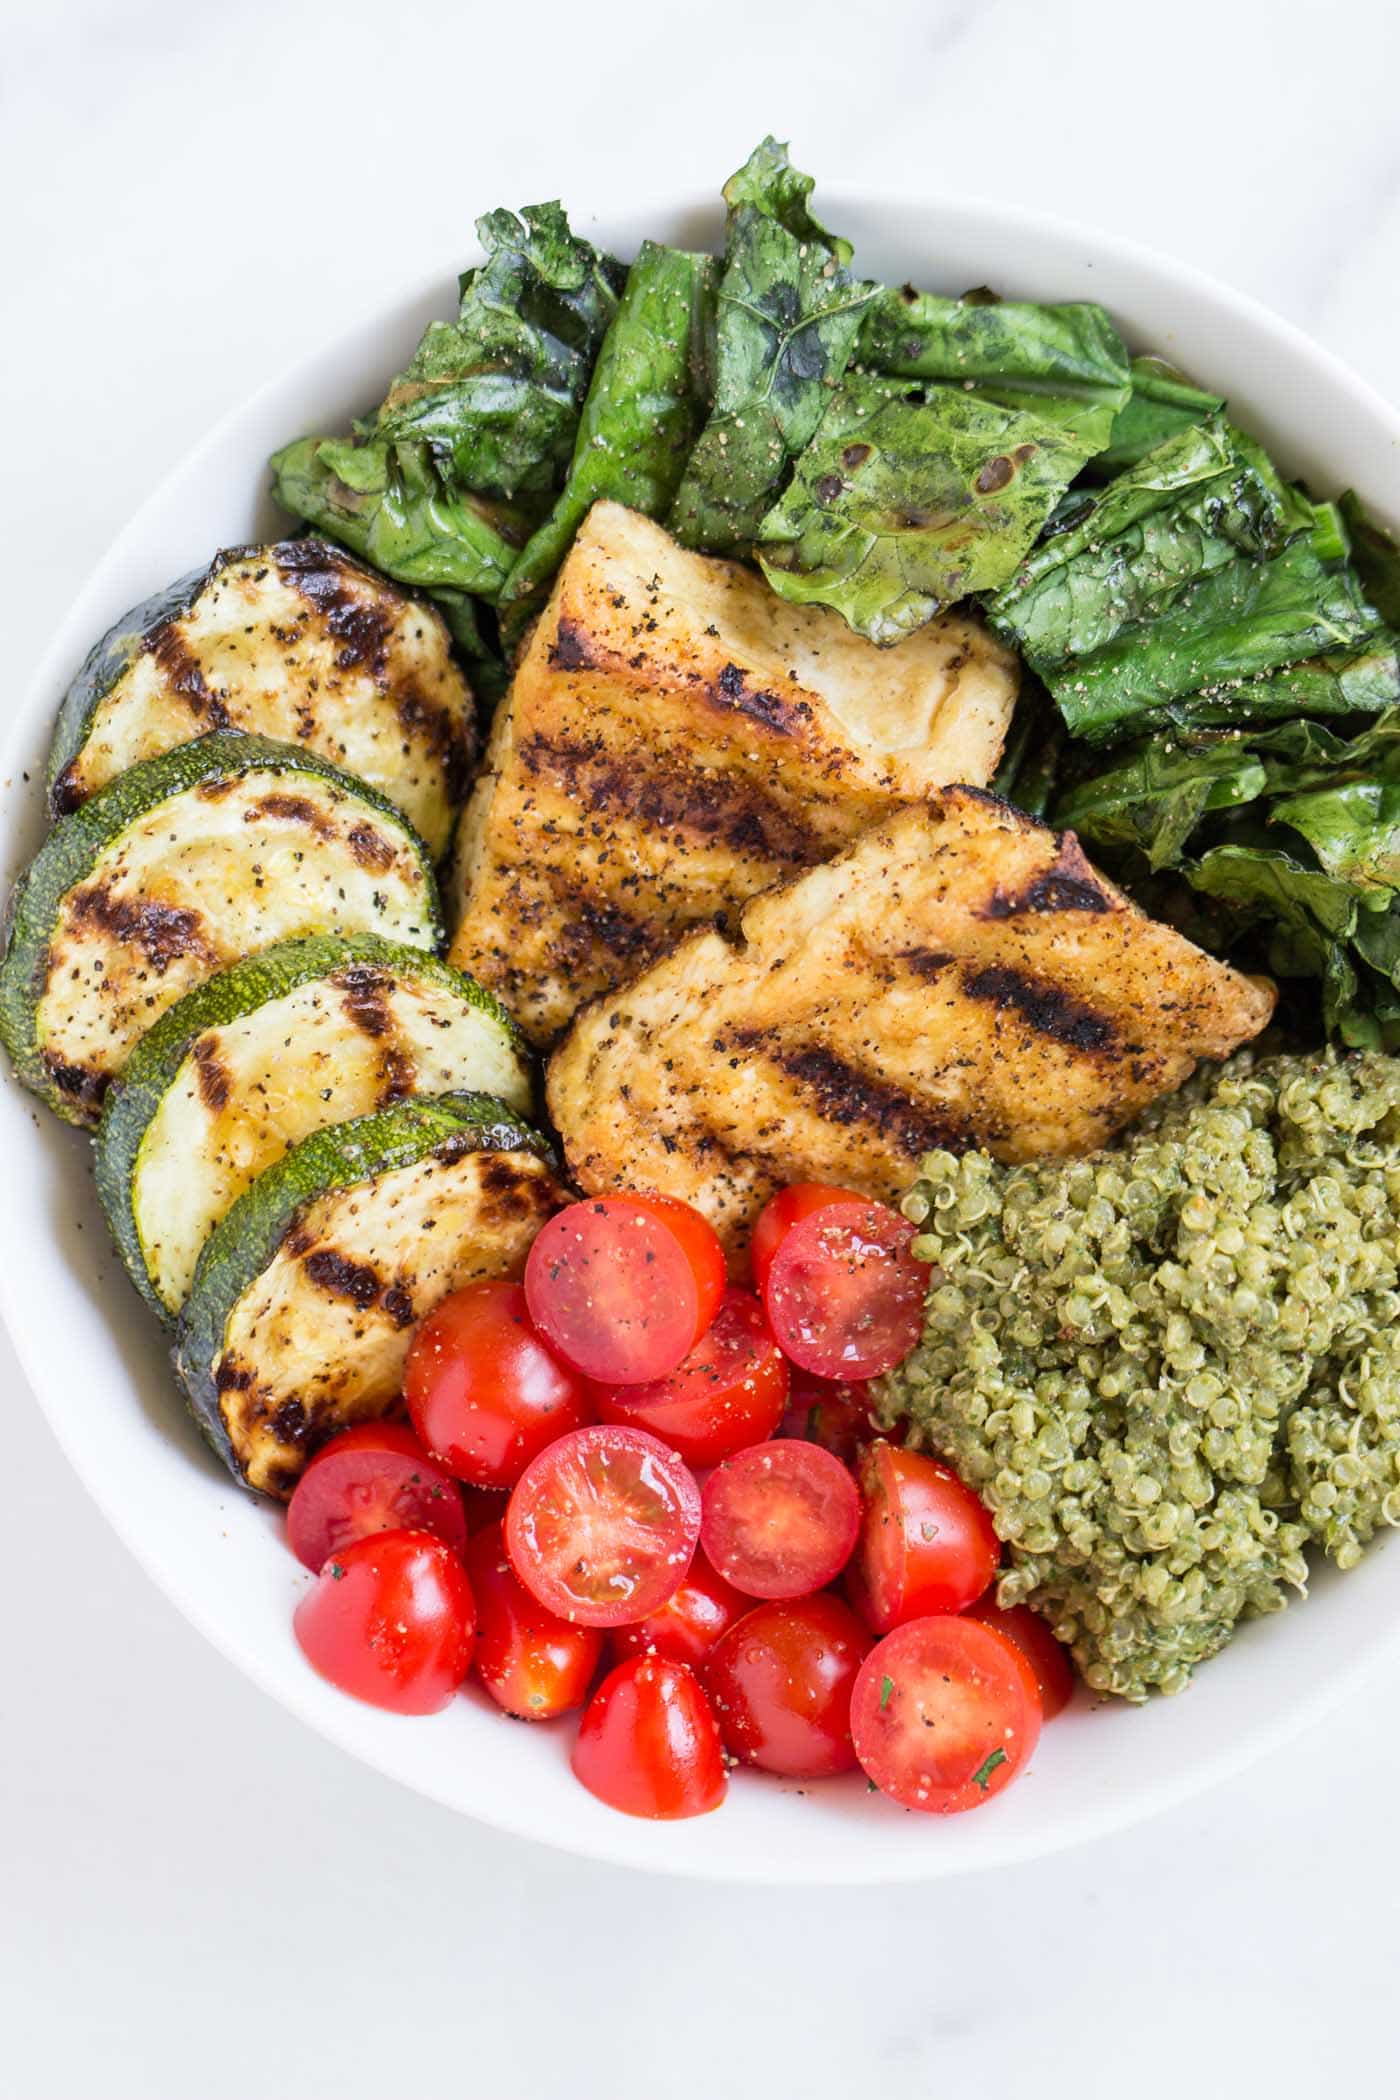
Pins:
x,y
105,663
343,1155
137,1095
77,842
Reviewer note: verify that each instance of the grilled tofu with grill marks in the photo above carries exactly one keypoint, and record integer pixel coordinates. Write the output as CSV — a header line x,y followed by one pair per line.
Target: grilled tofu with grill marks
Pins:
x,y
676,739
959,977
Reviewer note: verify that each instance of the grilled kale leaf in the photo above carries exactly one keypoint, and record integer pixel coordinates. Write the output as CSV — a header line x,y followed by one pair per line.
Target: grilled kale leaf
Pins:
x,y
1066,363
909,498
1162,403
648,398
496,394
788,314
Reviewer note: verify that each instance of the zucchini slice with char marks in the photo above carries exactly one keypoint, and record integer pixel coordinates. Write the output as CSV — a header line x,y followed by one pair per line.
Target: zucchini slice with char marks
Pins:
x,y
179,868
304,1300
294,641
310,1032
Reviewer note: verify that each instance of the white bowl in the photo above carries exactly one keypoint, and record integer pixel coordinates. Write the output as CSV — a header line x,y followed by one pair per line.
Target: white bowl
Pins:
x,y
97,1363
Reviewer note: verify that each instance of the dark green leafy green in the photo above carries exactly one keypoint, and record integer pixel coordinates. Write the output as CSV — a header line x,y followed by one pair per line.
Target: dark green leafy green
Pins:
x,y
647,400
496,394
1353,828
1154,795
1362,681
386,503
1307,917
1162,403
1376,556
1195,568
1064,363
909,498
787,319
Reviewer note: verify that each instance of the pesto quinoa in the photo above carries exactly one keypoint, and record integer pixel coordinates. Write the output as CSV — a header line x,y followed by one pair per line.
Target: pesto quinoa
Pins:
x,y
1171,1368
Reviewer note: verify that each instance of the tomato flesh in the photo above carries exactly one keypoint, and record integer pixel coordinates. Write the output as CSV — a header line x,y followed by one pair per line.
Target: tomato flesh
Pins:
x,y
730,1390
689,1622
780,1519
648,1743
844,1294
944,1714
623,1287
392,1621
780,1683
485,1394
374,1477
926,1543
602,1526
1048,1658
533,1664
781,1212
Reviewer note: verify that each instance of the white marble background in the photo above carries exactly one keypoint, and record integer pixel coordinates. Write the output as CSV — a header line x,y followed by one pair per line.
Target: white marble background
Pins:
x,y
197,1898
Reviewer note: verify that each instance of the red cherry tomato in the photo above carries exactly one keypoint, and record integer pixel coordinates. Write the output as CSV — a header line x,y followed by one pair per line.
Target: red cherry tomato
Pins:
x,y
392,1621
729,1391
843,1294
926,1543
780,1684
623,1287
781,1212
689,1622
1048,1658
780,1519
602,1526
832,1412
485,1394
533,1664
648,1743
945,1713
374,1477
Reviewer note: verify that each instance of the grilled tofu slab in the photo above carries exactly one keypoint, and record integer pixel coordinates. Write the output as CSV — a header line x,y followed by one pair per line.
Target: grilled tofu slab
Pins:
x,y
676,739
308,1033
959,977
294,641
304,1300
179,868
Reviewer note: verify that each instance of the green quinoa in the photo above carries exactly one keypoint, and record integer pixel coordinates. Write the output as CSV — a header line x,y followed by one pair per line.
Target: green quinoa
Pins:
x,y
1171,1368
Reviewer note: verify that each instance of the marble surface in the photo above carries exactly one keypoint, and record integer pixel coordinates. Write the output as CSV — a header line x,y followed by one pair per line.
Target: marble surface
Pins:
x,y
196,1896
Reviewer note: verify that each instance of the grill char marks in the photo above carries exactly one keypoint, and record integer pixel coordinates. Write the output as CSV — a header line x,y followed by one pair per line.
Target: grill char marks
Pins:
x,y
370,848
211,1074
726,808
364,996
162,933
1071,884
845,1095
183,675
358,625
732,689
355,1280
289,809
1047,1008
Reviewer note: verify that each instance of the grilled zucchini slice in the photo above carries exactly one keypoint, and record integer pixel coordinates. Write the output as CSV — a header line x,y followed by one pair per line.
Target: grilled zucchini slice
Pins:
x,y
295,641
310,1032
299,1317
179,868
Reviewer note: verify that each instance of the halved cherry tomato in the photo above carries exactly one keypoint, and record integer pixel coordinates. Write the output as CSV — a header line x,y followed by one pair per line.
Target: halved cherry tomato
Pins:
x,y
1048,1658
689,1622
832,1412
374,1477
601,1527
944,1714
533,1664
781,1212
648,1743
780,1519
484,1392
729,1391
392,1621
623,1287
843,1293
780,1683
926,1543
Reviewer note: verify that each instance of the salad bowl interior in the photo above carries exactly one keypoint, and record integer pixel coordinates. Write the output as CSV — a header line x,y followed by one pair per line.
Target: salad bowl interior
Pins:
x,y
219,1553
